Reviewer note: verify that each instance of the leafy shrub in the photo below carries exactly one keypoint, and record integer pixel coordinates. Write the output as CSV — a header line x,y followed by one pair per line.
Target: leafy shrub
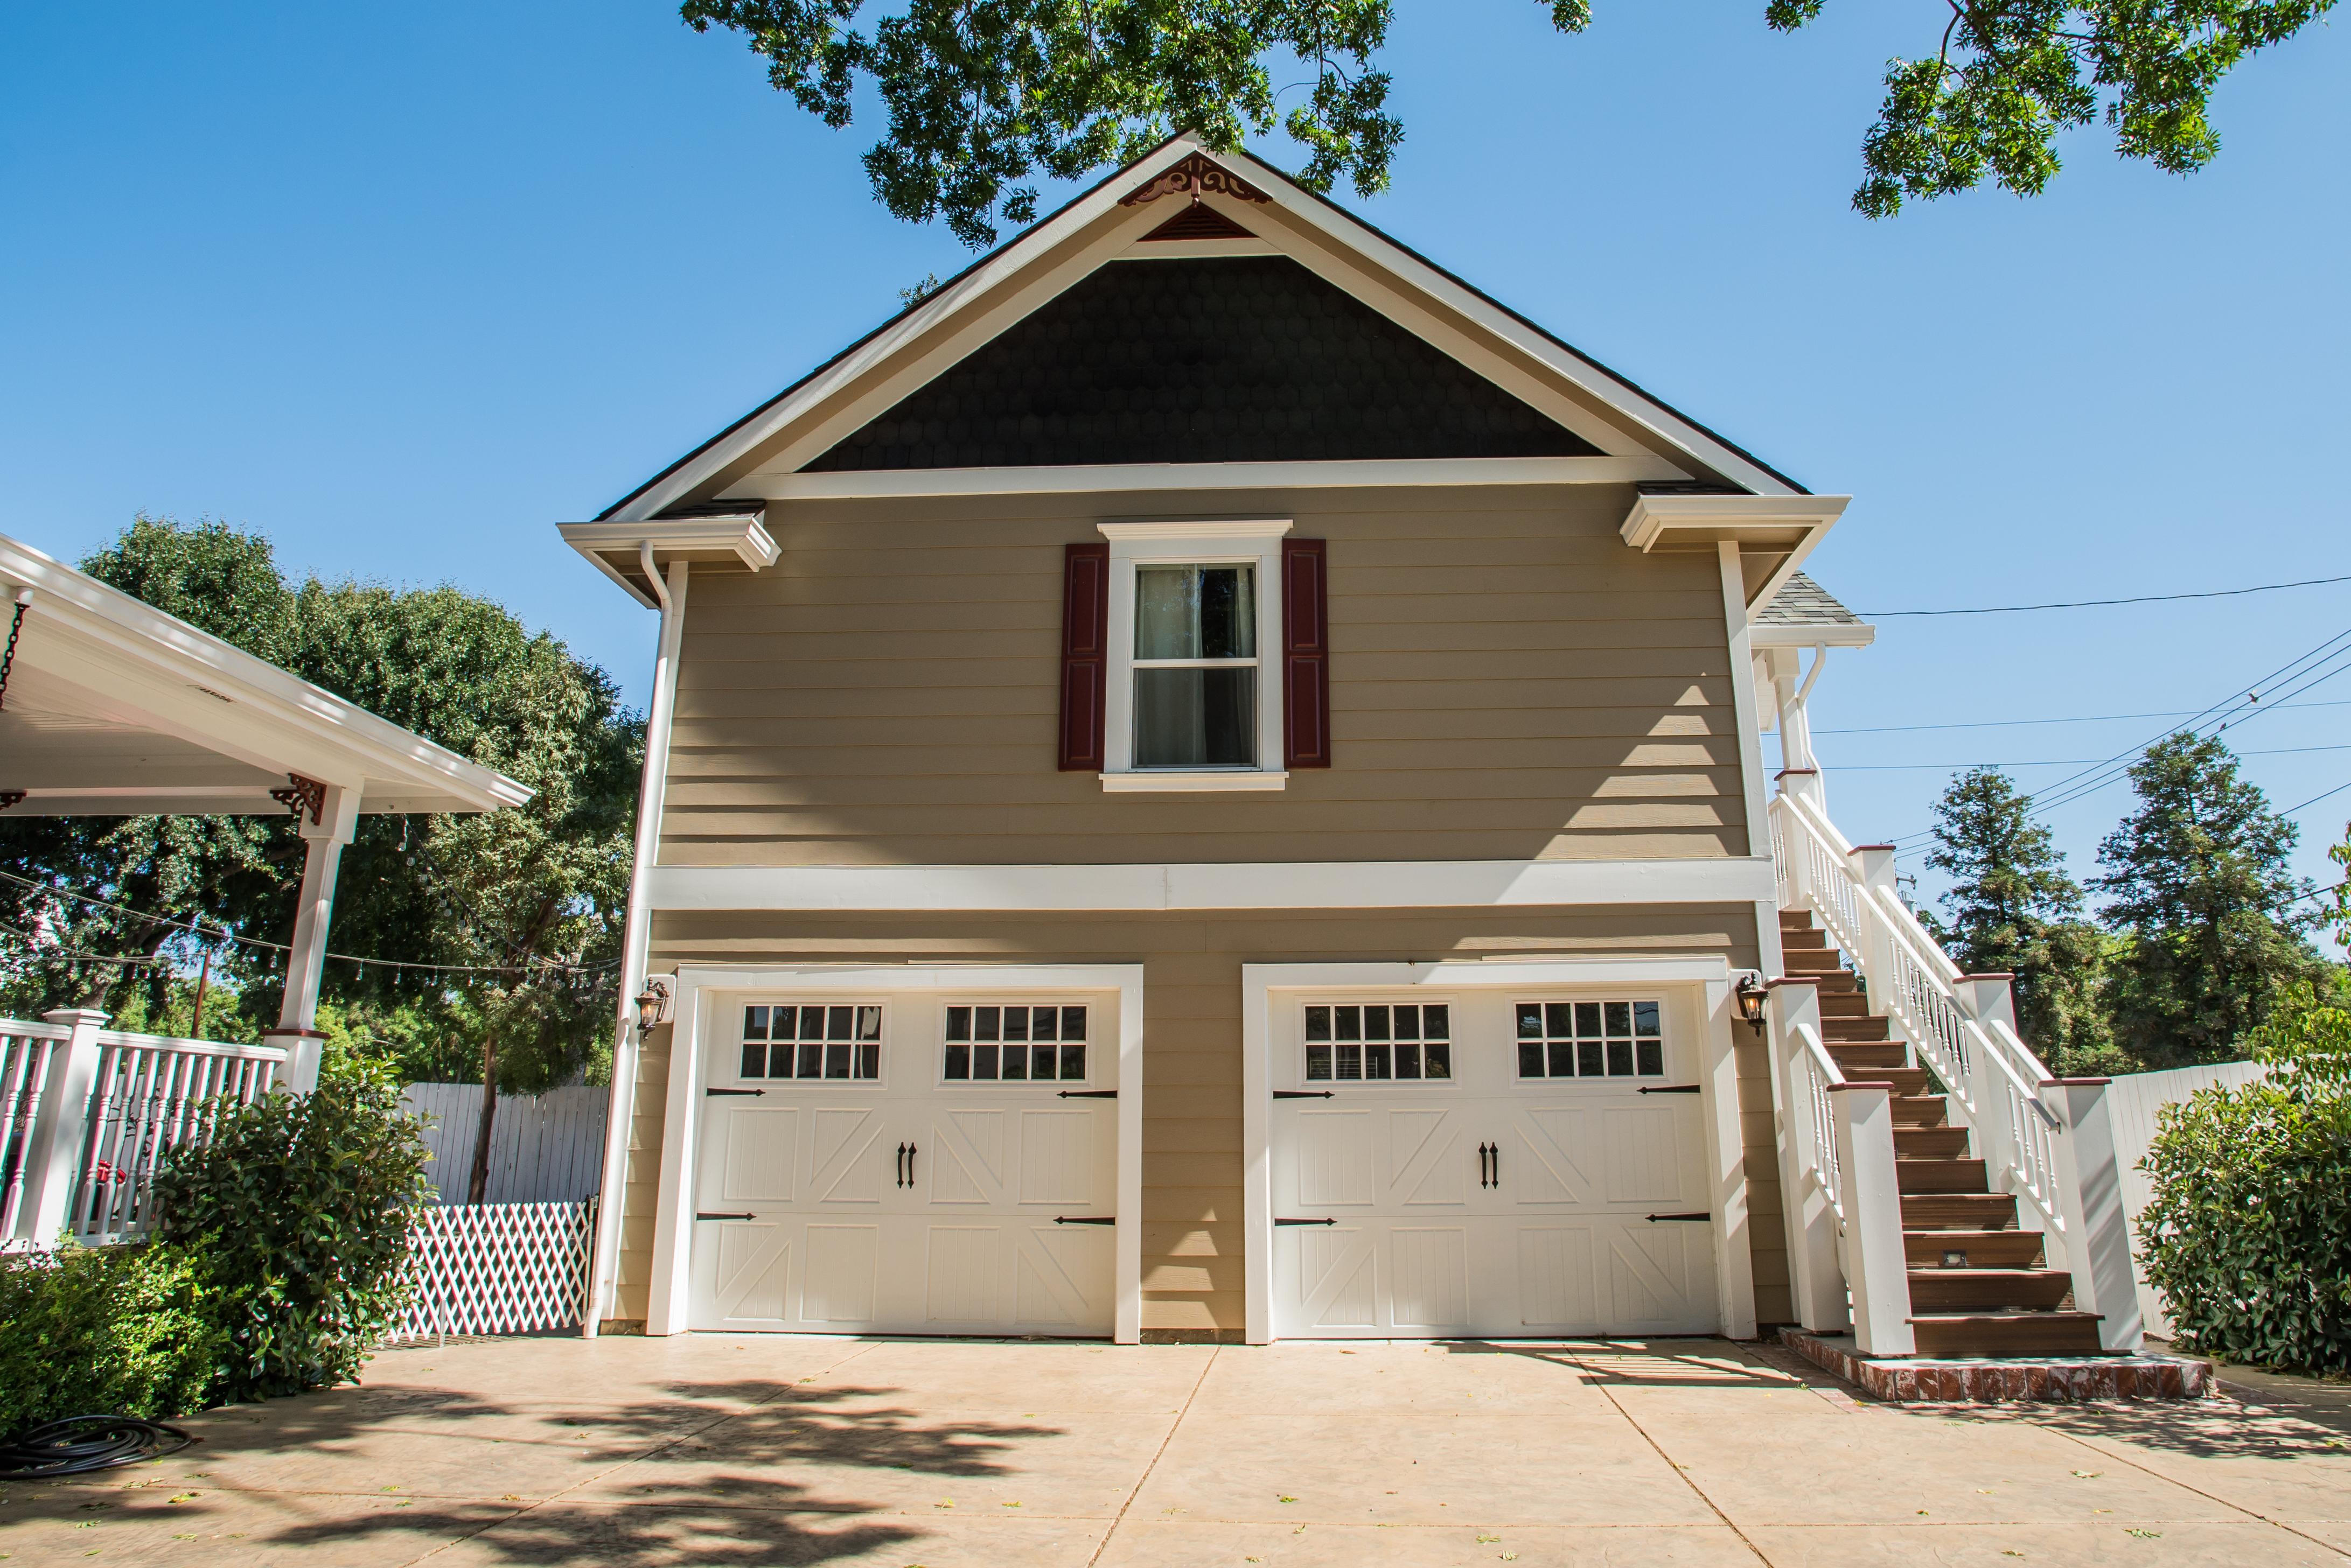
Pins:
x,y
103,1330
2248,1234
298,1211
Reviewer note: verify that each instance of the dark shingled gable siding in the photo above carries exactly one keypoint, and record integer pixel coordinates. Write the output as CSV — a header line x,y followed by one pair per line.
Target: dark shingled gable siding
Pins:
x,y
1221,360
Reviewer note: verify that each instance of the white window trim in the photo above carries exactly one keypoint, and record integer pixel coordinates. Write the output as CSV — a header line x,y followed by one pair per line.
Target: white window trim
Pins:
x,y
1698,988
1252,542
703,989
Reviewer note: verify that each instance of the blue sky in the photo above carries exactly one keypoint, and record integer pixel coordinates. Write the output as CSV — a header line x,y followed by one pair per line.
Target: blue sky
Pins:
x,y
404,287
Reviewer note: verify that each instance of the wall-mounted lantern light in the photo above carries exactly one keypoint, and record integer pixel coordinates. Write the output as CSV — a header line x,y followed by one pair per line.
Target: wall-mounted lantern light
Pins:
x,y
652,1004
1752,993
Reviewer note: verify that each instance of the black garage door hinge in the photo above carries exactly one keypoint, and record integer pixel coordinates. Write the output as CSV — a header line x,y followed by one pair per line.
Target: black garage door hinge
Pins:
x,y
733,1091
725,1216
1301,1094
1306,1221
1087,1095
1670,1089
1085,1218
1699,1219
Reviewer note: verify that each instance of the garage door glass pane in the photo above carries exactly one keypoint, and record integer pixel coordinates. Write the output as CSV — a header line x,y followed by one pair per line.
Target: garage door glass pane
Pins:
x,y
1378,1043
1590,1039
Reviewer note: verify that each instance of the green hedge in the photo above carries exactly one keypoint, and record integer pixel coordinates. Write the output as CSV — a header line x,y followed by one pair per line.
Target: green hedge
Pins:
x,y
2248,1235
280,1260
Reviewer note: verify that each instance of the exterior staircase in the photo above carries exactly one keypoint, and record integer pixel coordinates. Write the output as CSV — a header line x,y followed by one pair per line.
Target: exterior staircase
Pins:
x,y
1978,1283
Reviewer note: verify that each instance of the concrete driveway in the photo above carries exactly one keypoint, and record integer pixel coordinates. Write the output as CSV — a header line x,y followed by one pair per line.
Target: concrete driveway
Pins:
x,y
759,1450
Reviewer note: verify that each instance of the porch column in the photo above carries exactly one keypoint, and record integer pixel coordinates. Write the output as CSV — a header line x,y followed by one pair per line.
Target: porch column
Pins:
x,y
60,1129
325,831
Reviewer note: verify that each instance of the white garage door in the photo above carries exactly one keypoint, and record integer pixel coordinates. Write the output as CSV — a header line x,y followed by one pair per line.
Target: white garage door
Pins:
x,y
908,1164
1510,1166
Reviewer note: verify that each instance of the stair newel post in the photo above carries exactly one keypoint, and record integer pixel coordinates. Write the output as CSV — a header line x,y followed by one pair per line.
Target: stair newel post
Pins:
x,y
1873,865
1989,1002
1817,1278
2089,1201
1876,1261
1790,840
61,1128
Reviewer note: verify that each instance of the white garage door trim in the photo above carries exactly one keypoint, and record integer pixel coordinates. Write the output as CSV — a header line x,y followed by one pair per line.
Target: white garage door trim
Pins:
x,y
702,989
1704,983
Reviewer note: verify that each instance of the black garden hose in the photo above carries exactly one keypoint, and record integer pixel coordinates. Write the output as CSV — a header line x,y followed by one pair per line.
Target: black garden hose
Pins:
x,y
80,1444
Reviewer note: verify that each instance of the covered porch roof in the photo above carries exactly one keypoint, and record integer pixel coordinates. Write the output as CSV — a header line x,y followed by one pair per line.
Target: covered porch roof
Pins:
x,y
112,707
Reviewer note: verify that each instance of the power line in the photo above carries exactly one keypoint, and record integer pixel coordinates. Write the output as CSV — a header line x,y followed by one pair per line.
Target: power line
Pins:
x,y
2096,604
2086,719
2049,761
2314,800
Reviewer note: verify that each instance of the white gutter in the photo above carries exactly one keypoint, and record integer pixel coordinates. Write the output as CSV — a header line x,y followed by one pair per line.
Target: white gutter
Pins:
x,y
636,941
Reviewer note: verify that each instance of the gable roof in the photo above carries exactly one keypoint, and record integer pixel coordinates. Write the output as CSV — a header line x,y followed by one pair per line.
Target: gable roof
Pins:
x,y
809,418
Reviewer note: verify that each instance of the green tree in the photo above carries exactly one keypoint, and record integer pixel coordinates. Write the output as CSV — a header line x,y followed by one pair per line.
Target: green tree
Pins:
x,y
528,903
2011,908
985,95
2212,920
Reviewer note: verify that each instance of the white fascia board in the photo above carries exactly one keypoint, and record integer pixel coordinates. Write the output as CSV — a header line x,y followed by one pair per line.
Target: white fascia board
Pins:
x,y
1078,479
1612,392
977,285
1838,634
1308,885
744,533
145,661
1655,519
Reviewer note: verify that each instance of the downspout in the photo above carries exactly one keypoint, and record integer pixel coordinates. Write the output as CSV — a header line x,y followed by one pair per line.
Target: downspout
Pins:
x,y
635,942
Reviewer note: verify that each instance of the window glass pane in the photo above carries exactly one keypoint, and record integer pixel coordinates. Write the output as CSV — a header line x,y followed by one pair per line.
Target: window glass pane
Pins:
x,y
1651,1056
1016,1057
1407,1061
1563,1059
754,1023
983,1062
1645,1018
1531,1021
1196,612
958,1023
1073,1063
1376,1023
1042,1022
869,1024
1318,1023
1587,1059
1436,1022
841,1025
1587,1019
1016,1023
958,1061
1195,717
1043,1059
869,1060
811,1023
1437,1060
987,1023
1407,1022
1620,1018
1350,1021
1318,1063
1620,1058
1376,1061
836,1060
779,1059
811,1057
1557,1018
1530,1059
1351,1062
755,1059
1073,1023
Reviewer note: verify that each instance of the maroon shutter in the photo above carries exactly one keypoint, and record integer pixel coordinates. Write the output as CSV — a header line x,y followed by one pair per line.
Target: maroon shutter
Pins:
x,y
1085,655
1305,654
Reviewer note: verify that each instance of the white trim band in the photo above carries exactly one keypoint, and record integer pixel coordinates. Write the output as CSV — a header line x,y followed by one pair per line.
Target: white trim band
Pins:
x,y
1298,885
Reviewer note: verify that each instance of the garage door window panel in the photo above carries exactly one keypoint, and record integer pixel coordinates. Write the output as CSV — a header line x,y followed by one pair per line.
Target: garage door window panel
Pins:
x,y
991,1043
1379,1042
817,1042
1601,1039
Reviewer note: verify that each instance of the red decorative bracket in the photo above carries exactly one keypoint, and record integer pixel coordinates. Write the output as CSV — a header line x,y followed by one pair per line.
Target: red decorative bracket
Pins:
x,y
1199,175
304,795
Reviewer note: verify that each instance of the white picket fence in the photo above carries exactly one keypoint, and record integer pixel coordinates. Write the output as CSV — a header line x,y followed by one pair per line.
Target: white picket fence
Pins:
x,y
2134,1100
544,1148
498,1268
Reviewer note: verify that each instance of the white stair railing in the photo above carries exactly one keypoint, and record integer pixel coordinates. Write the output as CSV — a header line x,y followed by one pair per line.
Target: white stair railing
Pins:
x,y
92,1113
1962,1029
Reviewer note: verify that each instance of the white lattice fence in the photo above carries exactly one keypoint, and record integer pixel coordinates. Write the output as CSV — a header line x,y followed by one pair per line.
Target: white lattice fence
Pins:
x,y
498,1268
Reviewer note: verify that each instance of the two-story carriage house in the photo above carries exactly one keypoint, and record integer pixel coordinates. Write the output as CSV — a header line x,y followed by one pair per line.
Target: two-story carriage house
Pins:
x,y
1204,782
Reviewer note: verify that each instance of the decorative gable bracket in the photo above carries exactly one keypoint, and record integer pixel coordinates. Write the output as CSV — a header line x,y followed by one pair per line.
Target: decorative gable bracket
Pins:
x,y
1196,175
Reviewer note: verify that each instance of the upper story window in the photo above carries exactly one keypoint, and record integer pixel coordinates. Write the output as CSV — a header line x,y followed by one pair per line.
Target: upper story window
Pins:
x,y
1194,696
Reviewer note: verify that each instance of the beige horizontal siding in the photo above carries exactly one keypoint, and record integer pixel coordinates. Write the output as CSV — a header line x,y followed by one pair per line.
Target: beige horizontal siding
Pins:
x,y
1509,682
1192,1256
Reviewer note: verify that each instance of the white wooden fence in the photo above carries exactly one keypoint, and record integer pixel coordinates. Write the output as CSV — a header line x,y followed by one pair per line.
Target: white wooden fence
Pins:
x,y
498,1268
2133,1101
544,1148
